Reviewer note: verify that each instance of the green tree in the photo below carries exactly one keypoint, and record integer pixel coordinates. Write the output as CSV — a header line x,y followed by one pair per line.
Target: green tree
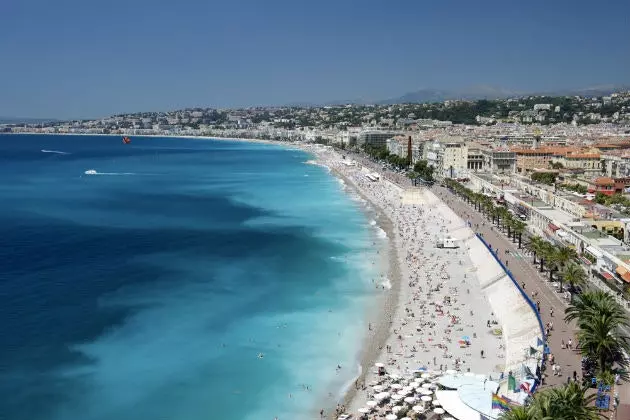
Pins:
x,y
600,319
574,276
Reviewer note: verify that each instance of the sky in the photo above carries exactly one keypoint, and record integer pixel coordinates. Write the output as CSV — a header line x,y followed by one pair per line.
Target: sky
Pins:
x,y
93,58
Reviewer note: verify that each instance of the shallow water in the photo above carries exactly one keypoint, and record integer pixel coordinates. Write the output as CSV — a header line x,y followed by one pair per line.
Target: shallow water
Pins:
x,y
150,288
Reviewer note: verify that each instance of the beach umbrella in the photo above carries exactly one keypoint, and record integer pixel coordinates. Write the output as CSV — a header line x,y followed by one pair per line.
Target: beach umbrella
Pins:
x,y
391,417
426,385
448,418
469,374
425,376
396,386
426,398
451,372
371,404
363,410
436,403
379,365
409,400
397,408
439,410
425,391
378,388
418,408
397,397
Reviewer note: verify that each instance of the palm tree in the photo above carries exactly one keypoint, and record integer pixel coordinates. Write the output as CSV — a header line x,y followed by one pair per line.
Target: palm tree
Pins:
x,y
518,413
573,275
599,317
553,260
536,244
519,228
571,401
565,254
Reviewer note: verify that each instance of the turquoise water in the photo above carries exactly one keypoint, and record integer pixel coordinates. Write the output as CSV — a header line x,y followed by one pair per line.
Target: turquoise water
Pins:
x,y
150,289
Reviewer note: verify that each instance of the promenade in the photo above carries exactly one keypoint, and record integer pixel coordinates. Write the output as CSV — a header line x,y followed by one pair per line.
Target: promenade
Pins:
x,y
524,273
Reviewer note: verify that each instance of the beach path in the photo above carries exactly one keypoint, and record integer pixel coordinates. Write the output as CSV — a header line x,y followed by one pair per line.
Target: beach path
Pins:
x,y
524,272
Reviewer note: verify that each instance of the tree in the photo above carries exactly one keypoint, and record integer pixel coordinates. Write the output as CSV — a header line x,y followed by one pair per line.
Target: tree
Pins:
x,y
574,276
570,401
600,319
537,245
519,228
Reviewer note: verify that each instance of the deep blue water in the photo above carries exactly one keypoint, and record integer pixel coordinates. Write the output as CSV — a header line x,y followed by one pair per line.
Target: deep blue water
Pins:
x,y
148,290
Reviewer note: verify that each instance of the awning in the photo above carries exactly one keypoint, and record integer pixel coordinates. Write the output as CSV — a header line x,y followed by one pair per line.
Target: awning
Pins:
x,y
585,260
561,233
606,275
594,251
454,406
623,273
553,227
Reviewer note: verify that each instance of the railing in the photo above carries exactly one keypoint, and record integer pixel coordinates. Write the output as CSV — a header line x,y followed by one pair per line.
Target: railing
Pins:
x,y
527,298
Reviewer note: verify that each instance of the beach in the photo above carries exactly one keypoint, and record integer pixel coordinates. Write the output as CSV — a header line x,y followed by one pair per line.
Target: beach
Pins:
x,y
435,316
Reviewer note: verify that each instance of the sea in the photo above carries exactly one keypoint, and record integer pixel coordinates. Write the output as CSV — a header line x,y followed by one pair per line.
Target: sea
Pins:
x,y
176,278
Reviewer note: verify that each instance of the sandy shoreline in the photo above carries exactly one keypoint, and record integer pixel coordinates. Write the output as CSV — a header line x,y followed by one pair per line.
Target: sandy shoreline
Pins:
x,y
421,320
381,317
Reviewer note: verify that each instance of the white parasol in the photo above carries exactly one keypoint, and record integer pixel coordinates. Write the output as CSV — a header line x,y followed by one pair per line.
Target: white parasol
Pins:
x,y
426,398
409,400
371,404
391,417
439,410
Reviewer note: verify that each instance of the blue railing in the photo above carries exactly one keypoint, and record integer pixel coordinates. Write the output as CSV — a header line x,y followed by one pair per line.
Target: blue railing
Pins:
x,y
527,298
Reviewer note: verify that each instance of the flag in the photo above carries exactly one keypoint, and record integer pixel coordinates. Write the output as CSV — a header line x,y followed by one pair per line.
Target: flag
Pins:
x,y
532,351
525,387
539,342
500,403
511,383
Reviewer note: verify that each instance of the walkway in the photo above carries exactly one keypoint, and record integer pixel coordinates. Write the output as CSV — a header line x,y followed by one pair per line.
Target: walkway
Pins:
x,y
524,272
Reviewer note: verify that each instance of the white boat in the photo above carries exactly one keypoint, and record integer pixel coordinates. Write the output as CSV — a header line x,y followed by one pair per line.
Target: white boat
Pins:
x,y
91,172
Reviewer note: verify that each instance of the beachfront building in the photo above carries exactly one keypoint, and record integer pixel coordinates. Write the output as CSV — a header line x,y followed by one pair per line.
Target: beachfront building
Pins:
x,y
375,138
499,161
448,155
616,164
528,160
475,158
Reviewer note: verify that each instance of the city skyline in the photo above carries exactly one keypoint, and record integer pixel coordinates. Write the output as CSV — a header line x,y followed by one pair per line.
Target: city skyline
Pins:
x,y
70,60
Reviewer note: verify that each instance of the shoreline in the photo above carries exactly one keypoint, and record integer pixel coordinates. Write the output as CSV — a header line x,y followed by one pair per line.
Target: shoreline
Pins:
x,y
381,319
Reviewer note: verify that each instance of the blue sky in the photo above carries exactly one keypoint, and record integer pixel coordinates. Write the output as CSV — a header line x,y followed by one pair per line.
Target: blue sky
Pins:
x,y
71,59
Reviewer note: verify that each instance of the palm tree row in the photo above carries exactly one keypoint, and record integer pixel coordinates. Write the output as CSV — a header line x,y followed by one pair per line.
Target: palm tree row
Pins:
x,y
496,213
560,259
570,401
600,319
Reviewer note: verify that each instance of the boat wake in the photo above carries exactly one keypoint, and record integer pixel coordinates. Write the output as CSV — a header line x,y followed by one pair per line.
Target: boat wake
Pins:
x,y
94,172
57,152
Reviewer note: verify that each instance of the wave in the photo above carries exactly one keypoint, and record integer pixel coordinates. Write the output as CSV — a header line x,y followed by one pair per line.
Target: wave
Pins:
x,y
57,152
381,233
94,172
387,284
372,222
